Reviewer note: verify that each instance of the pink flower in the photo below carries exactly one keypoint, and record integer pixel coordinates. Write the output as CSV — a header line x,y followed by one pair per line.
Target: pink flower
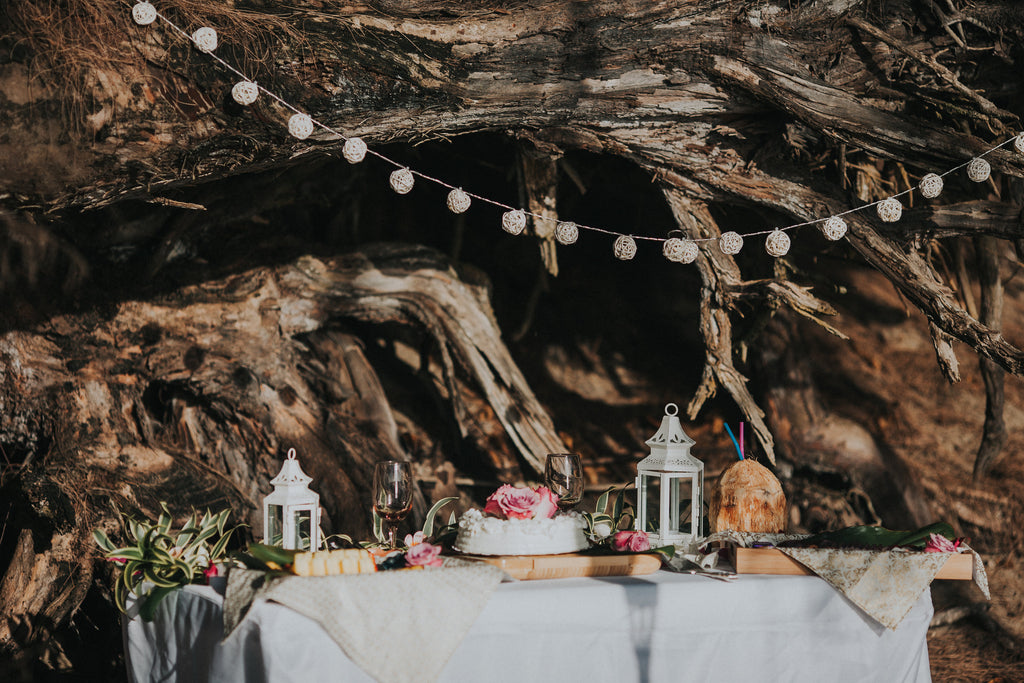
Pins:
x,y
513,502
424,555
940,544
210,572
414,539
634,541
548,505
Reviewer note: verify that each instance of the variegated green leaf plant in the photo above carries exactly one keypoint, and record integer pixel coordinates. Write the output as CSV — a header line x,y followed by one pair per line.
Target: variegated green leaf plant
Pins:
x,y
161,559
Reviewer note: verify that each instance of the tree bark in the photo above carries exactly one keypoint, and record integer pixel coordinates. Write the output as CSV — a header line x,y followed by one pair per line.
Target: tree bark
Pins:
x,y
194,398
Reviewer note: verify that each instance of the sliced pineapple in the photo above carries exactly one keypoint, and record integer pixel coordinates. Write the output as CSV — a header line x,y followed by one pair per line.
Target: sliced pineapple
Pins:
x,y
333,562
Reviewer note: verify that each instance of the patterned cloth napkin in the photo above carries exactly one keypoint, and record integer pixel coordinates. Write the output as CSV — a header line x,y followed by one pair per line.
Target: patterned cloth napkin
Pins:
x,y
422,613
883,583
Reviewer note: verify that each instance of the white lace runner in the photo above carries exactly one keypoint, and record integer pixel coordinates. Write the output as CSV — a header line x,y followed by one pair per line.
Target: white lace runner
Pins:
x,y
883,583
422,614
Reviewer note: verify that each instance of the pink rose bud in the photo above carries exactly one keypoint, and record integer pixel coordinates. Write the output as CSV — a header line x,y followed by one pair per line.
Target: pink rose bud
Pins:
x,y
631,541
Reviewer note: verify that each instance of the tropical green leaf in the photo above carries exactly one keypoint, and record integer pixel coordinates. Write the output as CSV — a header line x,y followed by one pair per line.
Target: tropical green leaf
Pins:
x,y
617,508
125,554
602,500
865,536
217,551
428,522
158,578
120,596
272,553
149,602
102,540
378,528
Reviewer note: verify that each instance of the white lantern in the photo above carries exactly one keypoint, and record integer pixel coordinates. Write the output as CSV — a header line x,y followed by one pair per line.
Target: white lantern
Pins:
x,y
291,513
567,232
730,242
777,243
205,39
834,228
978,170
458,201
144,13
513,222
624,247
354,150
670,487
245,92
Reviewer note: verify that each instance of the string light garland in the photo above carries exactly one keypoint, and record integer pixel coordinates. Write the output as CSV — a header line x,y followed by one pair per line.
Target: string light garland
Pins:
x,y
513,221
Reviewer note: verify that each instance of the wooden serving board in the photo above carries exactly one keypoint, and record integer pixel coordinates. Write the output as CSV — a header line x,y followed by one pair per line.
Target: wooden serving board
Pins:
x,y
774,561
530,567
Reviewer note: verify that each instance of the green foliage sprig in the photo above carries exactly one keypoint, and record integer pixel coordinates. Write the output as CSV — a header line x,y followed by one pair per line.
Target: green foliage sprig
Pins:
x,y
602,523
165,558
442,535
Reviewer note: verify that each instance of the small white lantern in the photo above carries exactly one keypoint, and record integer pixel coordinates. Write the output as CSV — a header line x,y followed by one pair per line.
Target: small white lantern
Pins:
x,y
291,513
670,487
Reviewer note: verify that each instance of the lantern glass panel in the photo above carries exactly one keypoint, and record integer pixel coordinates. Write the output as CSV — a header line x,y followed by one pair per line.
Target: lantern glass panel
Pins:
x,y
681,503
275,525
649,498
303,525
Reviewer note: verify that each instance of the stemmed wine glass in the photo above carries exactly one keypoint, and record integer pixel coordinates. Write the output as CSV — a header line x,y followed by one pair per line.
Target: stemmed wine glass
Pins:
x,y
392,494
563,474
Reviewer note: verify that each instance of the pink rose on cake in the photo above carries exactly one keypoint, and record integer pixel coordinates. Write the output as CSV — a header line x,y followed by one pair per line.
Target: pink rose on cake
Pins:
x,y
631,541
512,502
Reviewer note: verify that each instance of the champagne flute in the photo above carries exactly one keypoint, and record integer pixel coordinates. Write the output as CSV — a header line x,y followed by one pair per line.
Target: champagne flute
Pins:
x,y
563,474
392,494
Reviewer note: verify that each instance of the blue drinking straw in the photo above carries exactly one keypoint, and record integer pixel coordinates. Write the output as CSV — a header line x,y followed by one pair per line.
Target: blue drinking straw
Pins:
x,y
734,442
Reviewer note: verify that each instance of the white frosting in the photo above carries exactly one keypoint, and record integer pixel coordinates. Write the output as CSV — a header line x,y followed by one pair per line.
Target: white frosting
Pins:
x,y
483,535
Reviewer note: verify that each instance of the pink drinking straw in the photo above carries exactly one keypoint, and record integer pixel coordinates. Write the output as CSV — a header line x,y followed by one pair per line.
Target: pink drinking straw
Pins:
x,y
741,440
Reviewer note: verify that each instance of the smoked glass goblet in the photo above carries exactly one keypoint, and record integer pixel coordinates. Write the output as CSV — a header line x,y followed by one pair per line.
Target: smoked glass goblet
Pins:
x,y
563,474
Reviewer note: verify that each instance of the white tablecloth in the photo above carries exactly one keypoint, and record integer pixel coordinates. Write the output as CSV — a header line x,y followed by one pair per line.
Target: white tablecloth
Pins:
x,y
661,627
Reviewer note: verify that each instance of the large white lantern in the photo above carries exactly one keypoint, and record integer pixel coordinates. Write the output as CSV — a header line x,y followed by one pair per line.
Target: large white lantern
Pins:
x,y
291,513
670,486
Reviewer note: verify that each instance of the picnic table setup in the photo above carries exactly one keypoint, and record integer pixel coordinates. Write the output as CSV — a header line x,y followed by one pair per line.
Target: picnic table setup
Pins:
x,y
529,586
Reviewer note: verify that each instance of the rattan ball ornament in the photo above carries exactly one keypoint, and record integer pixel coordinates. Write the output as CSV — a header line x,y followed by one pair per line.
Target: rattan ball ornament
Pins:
x,y
300,126
679,250
930,186
624,247
890,210
978,170
566,232
205,39
1018,142
144,13
245,92
402,180
730,242
354,150
777,243
458,201
513,222
834,228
